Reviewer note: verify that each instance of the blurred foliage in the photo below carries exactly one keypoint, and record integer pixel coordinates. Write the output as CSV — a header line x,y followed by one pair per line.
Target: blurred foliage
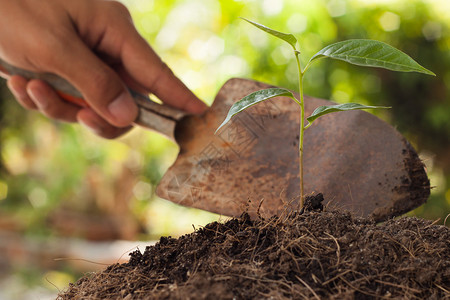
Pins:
x,y
53,167
48,168
207,44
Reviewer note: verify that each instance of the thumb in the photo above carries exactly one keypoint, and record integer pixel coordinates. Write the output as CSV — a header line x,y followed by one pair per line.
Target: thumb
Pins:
x,y
147,69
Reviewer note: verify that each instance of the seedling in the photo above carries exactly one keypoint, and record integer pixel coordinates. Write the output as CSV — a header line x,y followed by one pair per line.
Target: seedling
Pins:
x,y
362,52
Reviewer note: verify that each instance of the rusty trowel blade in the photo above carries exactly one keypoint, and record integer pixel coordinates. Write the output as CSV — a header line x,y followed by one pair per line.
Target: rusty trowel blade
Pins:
x,y
360,163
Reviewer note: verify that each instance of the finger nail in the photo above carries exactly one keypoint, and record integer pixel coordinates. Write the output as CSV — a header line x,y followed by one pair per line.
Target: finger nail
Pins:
x,y
123,109
37,97
91,126
17,92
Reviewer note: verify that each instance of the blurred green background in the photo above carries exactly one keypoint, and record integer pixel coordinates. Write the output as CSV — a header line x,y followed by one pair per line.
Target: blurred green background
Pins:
x,y
59,182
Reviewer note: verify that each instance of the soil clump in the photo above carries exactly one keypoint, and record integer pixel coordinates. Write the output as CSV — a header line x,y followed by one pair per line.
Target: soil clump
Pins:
x,y
309,255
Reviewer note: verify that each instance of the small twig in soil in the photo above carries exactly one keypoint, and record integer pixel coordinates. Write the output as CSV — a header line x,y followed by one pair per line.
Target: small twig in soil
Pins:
x,y
358,289
258,211
308,287
292,257
434,223
402,287
401,245
80,259
54,285
338,250
445,290
445,221
336,277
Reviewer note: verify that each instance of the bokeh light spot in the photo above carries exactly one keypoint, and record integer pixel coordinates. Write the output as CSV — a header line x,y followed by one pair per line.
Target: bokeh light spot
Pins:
x,y
389,21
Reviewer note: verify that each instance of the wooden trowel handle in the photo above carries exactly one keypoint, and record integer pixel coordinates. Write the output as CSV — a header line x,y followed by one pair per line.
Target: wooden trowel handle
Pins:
x,y
161,118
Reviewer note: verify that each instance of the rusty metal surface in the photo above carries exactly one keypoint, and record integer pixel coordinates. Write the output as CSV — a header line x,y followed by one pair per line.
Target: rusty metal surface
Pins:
x,y
357,161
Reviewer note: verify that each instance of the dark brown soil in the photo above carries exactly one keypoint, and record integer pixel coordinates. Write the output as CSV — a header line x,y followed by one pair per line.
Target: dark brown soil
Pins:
x,y
314,255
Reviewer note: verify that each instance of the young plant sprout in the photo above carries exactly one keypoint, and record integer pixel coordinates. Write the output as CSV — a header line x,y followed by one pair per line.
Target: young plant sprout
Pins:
x,y
362,52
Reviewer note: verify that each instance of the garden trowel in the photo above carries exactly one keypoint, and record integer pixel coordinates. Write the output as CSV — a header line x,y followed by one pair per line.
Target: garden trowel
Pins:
x,y
358,162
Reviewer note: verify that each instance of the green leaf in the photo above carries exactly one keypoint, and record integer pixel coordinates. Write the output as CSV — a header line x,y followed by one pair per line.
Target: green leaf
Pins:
x,y
287,37
254,98
323,110
371,53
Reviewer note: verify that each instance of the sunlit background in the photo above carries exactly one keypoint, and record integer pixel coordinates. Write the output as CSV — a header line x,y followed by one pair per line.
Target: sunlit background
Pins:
x,y
71,202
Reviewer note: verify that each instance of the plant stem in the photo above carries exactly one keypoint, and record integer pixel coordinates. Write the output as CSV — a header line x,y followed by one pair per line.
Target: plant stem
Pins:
x,y
302,126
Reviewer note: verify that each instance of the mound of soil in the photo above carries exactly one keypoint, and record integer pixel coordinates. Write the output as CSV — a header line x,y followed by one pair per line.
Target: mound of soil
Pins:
x,y
313,255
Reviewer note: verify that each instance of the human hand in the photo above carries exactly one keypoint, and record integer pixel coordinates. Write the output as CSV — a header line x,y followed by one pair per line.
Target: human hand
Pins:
x,y
94,45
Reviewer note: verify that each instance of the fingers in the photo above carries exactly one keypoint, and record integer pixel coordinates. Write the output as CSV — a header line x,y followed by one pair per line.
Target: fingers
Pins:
x,y
49,103
37,95
100,86
18,87
54,43
95,29
89,119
